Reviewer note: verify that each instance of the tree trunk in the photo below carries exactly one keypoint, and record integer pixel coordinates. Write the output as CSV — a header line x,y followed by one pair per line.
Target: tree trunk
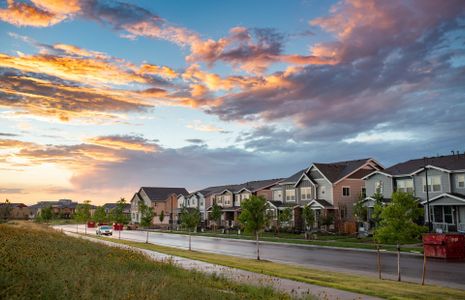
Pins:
x,y
85,229
379,261
119,234
147,238
424,269
398,262
190,241
77,227
258,245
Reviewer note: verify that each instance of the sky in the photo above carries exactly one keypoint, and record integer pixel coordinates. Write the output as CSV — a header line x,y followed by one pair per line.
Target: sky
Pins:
x,y
99,98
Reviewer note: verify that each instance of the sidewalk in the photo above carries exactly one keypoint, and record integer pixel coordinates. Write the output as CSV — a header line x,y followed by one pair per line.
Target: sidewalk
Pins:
x,y
294,288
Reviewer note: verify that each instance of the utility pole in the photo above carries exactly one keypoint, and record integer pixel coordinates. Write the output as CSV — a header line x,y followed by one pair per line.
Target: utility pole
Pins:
x,y
430,229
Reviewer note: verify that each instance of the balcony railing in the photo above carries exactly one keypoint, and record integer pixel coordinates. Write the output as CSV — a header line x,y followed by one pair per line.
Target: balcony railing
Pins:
x,y
446,227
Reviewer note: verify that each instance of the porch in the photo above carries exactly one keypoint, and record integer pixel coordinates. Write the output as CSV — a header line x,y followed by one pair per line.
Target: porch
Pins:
x,y
447,213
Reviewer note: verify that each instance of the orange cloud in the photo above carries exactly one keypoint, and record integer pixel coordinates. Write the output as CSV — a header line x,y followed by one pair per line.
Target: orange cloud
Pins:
x,y
162,71
124,142
59,7
74,50
22,14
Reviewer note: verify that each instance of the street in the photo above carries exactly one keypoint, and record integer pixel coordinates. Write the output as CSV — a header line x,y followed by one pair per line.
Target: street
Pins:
x,y
447,273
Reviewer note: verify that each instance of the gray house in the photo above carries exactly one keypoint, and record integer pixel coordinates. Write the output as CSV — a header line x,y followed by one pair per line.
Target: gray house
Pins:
x,y
445,186
330,189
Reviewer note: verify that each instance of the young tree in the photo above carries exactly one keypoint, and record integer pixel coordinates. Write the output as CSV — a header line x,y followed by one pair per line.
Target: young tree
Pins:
x,y
284,218
360,211
215,215
45,214
161,216
100,216
309,218
5,210
82,213
254,217
117,214
398,223
146,218
190,219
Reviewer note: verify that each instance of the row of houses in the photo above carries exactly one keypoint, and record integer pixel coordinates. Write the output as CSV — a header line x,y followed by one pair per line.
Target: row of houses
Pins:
x,y
329,189
63,209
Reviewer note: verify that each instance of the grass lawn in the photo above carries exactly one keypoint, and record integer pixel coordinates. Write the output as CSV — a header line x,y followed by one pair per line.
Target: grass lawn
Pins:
x,y
40,263
323,240
355,283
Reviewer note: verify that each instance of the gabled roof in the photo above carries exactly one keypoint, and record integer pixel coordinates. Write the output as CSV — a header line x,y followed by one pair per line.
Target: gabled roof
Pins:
x,y
252,186
320,203
111,206
293,178
446,162
162,193
338,170
456,196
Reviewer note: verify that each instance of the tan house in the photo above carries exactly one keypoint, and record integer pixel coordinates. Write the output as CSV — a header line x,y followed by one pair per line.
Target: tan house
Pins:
x,y
161,199
16,211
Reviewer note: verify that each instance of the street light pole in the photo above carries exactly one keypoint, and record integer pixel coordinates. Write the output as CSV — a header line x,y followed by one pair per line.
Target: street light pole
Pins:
x,y
430,229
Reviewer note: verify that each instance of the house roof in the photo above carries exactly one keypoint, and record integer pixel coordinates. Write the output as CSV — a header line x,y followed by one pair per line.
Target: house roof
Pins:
x,y
162,193
234,188
20,205
321,203
456,196
338,170
280,204
111,206
447,162
294,177
62,203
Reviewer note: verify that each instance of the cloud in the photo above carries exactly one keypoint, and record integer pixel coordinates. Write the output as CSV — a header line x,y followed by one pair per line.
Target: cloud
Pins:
x,y
8,134
200,126
22,14
195,141
126,142
11,191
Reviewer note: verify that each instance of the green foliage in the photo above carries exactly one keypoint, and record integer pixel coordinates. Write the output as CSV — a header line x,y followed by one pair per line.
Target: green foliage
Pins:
x,y
45,214
146,214
360,210
397,224
82,212
309,217
377,208
161,216
5,210
285,217
215,214
190,218
100,216
39,263
117,214
253,217
326,220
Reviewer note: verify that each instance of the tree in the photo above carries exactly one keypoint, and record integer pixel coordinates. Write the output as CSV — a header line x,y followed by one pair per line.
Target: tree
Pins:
x,y
284,218
398,223
326,220
147,214
100,216
190,219
360,211
215,214
5,210
45,214
161,216
309,217
82,213
254,217
117,213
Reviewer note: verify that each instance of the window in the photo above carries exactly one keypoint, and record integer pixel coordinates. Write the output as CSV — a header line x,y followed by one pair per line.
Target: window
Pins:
x,y
346,191
290,195
227,200
379,187
278,195
434,184
443,214
448,214
364,192
437,211
461,181
306,193
405,185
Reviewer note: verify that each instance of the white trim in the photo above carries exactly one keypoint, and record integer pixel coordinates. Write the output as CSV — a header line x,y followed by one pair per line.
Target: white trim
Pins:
x,y
376,172
444,195
322,174
354,171
309,179
429,167
317,204
240,191
269,202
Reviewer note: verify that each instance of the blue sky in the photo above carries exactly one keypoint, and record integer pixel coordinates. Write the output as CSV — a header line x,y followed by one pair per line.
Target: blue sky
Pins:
x,y
100,97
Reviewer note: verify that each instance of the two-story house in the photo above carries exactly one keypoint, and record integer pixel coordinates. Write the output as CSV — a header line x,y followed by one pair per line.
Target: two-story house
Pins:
x,y
330,189
159,199
437,182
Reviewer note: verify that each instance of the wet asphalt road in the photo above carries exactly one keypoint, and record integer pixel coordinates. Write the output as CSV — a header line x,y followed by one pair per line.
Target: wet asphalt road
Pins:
x,y
449,273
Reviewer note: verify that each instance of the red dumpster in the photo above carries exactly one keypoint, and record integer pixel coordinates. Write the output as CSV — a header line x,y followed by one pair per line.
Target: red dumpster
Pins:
x,y
91,224
117,226
447,245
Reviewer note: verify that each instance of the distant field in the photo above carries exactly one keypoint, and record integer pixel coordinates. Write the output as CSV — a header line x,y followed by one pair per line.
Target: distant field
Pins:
x,y
39,263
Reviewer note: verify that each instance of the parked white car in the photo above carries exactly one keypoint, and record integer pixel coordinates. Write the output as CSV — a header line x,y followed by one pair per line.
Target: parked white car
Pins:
x,y
104,230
